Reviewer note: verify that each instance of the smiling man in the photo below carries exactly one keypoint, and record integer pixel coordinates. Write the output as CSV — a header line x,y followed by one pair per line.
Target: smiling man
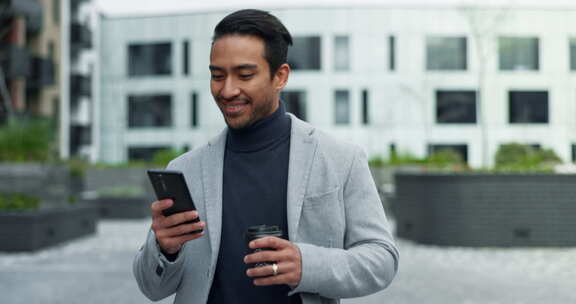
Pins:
x,y
267,168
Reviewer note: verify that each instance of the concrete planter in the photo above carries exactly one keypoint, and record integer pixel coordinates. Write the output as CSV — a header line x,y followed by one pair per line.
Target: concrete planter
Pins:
x,y
36,229
51,183
119,193
486,209
122,207
102,178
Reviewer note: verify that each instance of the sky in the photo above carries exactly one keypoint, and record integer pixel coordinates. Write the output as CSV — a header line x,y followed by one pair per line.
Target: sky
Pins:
x,y
147,7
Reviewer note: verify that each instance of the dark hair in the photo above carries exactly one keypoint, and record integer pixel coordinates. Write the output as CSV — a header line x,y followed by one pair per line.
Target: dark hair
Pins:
x,y
260,24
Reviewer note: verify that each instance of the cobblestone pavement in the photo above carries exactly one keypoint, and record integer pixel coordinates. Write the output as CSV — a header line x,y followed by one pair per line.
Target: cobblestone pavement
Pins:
x,y
98,269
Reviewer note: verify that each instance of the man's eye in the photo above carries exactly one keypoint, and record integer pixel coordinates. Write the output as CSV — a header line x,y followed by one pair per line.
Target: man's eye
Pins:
x,y
246,76
217,77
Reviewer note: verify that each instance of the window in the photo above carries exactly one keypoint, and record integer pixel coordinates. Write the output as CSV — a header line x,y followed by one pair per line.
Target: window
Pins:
x,y
573,54
194,110
56,11
392,53
295,102
574,153
341,107
528,107
365,108
151,59
144,153
341,53
392,150
304,53
185,58
517,53
446,53
455,106
461,149
149,111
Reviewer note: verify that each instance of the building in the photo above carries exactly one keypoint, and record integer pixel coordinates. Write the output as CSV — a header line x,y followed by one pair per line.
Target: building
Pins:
x,y
47,60
30,57
78,114
404,79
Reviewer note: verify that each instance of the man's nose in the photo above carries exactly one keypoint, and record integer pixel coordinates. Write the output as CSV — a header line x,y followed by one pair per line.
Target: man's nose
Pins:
x,y
230,89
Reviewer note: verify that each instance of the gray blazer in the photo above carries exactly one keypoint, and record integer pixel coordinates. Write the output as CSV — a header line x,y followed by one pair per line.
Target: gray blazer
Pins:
x,y
335,217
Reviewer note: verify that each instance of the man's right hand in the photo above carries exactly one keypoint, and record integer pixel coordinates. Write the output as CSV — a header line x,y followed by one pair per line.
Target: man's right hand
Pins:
x,y
169,230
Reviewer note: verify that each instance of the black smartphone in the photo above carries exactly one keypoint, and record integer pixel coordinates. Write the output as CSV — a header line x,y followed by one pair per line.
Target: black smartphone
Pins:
x,y
171,184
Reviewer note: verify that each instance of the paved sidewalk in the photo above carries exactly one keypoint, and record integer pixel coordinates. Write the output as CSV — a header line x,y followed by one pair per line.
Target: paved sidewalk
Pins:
x,y
98,269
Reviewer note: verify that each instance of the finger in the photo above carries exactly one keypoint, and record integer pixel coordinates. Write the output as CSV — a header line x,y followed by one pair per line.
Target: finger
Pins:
x,y
160,205
182,229
179,218
267,270
285,278
264,256
269,242
179,240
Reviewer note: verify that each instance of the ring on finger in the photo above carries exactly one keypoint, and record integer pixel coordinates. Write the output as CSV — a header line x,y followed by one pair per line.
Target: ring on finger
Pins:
x,y
274,269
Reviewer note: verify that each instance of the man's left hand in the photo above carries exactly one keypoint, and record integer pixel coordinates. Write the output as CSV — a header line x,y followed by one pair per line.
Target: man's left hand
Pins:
x,y
286,256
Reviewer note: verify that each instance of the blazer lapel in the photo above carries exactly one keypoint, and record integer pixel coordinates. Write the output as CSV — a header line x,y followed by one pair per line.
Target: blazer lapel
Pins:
x,y
212,172
302,150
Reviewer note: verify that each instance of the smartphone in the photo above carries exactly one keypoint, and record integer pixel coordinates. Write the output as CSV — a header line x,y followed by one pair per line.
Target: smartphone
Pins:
x,y
171,184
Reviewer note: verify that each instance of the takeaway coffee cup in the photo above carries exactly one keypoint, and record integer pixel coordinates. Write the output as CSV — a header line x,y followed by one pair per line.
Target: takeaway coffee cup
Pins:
x,y
260,231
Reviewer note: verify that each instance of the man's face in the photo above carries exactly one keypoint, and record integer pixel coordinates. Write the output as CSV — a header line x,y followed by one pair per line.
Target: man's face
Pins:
x,y
240,80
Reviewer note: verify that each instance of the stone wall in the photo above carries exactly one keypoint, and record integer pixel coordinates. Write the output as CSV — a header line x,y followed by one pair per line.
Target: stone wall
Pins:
x,y
486,209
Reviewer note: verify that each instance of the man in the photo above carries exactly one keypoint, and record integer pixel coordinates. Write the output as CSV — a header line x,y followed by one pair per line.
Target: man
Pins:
x,y
267,167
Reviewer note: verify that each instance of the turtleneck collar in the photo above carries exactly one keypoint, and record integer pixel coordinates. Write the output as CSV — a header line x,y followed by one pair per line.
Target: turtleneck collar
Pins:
x,y
262,134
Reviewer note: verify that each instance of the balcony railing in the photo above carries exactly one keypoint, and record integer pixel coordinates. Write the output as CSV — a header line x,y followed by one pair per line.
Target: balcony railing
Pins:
x,y
42,73
30,9
15,61
80,86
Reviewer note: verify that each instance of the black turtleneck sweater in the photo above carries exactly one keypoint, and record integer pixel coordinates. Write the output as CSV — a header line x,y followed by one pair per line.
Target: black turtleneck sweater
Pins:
x,y
254,193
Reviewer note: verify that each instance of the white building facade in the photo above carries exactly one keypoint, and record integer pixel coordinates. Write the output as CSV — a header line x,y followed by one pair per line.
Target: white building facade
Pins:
x,y
410,80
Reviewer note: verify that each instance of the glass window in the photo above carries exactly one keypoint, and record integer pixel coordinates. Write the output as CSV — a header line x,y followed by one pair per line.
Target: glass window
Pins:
x,y
573,54
295,102
365,108
341,53
194,110
392,53
150,59
144,153
528,106
461,149
305,53
149,111
518,53
455,106
185,57
341,107
56,11
446,53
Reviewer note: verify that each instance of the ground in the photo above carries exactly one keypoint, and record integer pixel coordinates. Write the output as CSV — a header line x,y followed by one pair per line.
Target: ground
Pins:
x,y
98,269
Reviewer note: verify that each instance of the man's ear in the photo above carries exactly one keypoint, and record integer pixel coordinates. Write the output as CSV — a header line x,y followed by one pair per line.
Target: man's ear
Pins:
x,y
281,77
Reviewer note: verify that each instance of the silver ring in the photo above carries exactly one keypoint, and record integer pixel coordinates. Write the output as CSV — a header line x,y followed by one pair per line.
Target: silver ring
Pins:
x,y
274,269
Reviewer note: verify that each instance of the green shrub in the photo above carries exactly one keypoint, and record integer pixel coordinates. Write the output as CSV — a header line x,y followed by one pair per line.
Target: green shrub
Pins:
x,y
121,191
397,159
163,157
376,162
26,140
519,157
18,201
445,158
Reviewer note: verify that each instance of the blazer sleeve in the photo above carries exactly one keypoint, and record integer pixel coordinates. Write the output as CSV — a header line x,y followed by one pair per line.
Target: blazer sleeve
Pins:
x,y
369,260
157,277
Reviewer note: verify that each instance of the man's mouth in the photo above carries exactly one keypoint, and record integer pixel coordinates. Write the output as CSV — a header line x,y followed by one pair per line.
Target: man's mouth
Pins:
x,y
234,107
